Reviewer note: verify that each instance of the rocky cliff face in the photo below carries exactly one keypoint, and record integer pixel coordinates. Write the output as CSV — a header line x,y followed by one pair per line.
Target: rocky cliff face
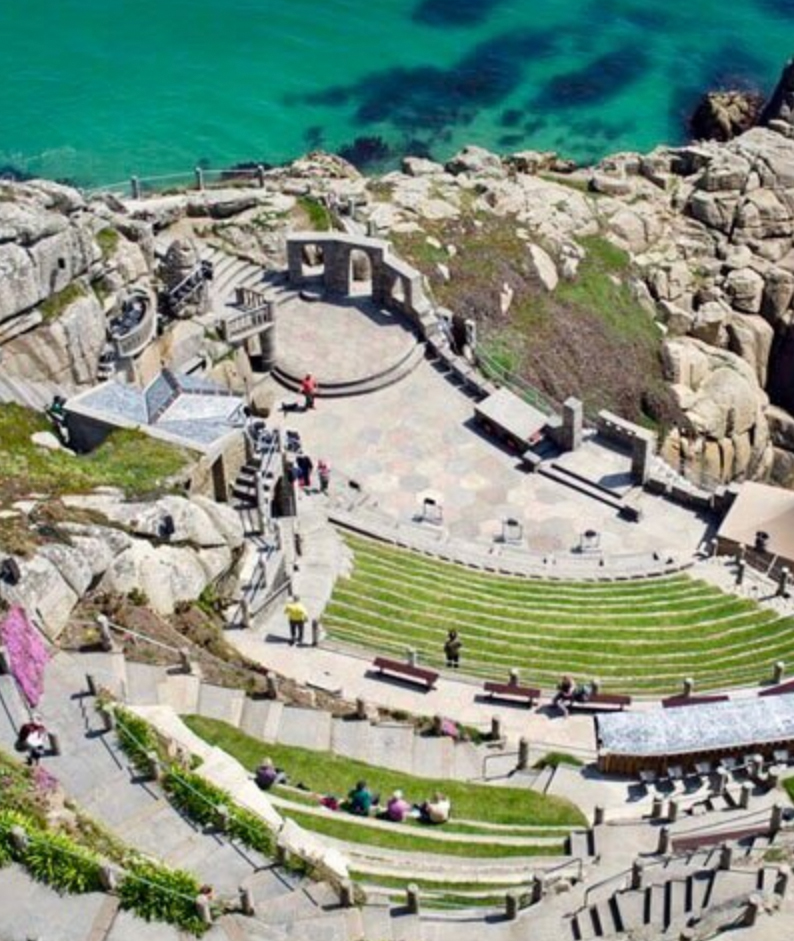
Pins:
x,y
64,264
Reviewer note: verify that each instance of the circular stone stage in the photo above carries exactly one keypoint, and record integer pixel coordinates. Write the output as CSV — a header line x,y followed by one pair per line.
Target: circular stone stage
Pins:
x,y
350,346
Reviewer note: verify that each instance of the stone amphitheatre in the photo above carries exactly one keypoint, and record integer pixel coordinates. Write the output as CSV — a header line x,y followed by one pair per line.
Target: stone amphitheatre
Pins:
x,y
153,530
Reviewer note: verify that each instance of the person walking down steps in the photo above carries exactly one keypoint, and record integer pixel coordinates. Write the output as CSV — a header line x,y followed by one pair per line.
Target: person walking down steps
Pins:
x,y
297,615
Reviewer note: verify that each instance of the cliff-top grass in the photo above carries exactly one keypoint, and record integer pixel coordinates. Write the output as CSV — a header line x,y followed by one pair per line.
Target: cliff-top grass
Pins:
x,y
127,459
588,338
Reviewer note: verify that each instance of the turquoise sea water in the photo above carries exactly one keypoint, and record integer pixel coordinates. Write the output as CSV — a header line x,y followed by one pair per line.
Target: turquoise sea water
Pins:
x,y
96,90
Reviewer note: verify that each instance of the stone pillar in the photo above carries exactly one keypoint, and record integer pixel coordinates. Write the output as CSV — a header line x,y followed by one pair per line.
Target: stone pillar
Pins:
x,y
776,819
637,874
412,657
688,686
295,261
778,672
538,888
744,797
740,565
260,175
155,768
783,879
656,808
523,754
346,894
726,856
337,268
783,582
105,637
754,905
412,898
572,419
55,744
511,906
496,728
599,815
672,810
199,173
135,187
184,660
316,631
271,681
246,901
721,782
267,347
245,614
663,847
642,449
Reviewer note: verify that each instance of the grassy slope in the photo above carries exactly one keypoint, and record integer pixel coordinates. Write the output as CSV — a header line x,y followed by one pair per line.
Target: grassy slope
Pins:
x,y
634,636
330,774
127,459
589,338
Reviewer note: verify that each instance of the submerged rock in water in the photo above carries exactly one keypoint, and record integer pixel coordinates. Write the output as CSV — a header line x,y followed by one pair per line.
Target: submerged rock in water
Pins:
x,y
723,115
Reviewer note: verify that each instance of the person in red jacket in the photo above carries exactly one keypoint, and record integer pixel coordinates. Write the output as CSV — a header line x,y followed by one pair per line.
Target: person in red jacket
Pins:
x,y
308,390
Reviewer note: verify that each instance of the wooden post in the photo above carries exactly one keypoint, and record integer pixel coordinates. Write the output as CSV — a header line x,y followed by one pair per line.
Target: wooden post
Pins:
x,y
523,754
412,898
511,906
246,901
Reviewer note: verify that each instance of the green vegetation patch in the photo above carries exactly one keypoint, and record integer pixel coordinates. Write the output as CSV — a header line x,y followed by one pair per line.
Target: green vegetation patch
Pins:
x,y
128,459
324,773
56,304
108,241
640,636
318,216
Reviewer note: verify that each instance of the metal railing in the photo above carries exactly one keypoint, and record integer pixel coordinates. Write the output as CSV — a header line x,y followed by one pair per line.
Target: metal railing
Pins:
x,y
493,369
241,325
139,337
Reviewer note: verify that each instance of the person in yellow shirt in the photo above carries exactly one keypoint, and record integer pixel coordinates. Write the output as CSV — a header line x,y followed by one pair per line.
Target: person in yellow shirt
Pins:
x,y
297,615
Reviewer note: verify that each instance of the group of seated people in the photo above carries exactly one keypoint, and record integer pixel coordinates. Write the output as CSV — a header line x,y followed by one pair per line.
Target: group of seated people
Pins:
x,y
570,692
363,803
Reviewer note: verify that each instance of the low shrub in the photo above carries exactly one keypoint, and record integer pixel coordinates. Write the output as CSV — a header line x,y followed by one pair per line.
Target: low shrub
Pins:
x,y
156,893
136,739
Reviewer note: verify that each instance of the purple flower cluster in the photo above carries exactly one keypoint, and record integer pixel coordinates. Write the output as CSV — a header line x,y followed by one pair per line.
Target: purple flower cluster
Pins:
x,y
45,782
26,652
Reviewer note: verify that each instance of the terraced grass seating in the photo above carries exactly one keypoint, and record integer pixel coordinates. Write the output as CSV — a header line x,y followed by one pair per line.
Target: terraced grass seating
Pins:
x,y
601,701
639,636
781,689
407,670
673,702
508,690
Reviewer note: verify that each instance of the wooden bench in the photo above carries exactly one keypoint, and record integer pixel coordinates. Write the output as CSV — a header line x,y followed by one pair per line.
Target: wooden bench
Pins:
x,y
599,700
398,667
673,702
780,690
505,690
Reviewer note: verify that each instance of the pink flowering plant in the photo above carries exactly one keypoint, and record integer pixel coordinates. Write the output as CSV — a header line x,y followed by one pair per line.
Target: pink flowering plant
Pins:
x,y
27,654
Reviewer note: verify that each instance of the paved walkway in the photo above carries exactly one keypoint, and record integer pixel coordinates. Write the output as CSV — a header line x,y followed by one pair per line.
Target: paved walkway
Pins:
x,y
418,437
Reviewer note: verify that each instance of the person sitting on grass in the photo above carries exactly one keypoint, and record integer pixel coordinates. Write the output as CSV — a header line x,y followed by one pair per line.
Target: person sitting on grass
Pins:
x,y
397,809
360,800
267,774
436,810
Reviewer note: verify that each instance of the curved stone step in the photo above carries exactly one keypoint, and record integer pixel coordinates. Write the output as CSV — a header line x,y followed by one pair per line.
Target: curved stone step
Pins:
x,y
387,377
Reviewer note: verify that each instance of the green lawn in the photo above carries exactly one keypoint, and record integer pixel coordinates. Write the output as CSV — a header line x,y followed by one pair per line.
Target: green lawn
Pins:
x,y
636,636
127,459
324,773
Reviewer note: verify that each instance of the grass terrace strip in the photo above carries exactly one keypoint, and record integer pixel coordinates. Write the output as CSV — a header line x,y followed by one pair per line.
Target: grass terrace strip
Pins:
x,y
640,636
325,773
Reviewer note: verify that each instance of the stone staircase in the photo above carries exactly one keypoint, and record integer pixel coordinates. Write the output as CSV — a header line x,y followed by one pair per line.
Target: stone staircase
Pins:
x,y
671,895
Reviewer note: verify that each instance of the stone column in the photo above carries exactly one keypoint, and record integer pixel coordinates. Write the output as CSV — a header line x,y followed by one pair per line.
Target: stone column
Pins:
x,y
337,267
267,346
642,449
295,261
572,419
